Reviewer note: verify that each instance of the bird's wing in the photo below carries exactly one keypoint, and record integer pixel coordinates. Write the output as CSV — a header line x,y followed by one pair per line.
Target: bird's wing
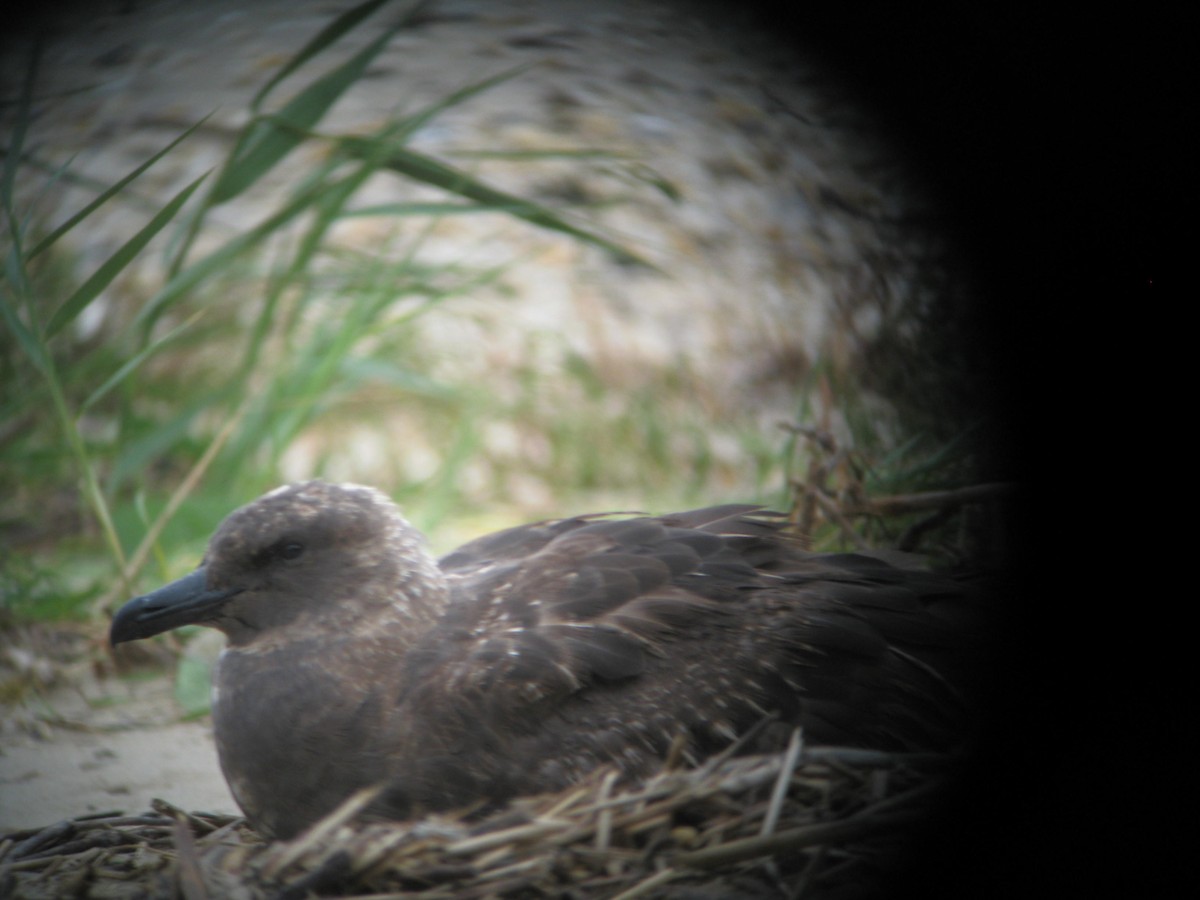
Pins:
x,y
540,611
544,613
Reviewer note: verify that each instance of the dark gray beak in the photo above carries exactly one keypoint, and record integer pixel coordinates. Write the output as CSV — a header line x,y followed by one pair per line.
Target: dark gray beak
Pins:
x,y
183,602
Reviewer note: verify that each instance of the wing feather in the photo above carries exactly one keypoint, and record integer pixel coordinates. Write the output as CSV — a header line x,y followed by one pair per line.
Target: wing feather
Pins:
x,y
546,612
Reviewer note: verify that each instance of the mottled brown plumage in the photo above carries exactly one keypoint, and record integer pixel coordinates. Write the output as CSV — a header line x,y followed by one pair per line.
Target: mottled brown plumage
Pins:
x,y
527,658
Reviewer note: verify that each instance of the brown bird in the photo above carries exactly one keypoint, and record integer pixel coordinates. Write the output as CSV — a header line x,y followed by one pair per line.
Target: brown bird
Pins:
x,y
528,658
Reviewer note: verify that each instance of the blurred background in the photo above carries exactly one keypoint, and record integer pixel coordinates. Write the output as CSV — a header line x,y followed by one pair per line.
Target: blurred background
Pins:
x,y
504,260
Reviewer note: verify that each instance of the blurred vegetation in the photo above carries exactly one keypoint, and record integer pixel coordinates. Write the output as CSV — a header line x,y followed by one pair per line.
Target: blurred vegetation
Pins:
x,y
124,443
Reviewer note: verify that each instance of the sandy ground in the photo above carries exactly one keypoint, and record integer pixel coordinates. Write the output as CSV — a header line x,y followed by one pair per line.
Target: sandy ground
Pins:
x,y
104,745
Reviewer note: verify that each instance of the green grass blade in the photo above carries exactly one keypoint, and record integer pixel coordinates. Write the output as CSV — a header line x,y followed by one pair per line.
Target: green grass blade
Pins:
x,y
132,364
271,139
15,260
328,35
424,168
418,120
27,339
110,192
14,265
103,276
219,259
138,454
572,153
424,209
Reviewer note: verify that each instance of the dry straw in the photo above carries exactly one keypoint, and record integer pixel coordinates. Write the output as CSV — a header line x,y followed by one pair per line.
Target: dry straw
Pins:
x,y
805,822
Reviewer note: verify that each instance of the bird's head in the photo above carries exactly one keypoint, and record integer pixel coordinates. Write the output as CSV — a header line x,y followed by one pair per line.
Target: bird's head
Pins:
x,y
307,553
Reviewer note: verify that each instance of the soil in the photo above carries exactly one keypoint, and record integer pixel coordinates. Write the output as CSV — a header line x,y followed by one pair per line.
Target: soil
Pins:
x,y
92,744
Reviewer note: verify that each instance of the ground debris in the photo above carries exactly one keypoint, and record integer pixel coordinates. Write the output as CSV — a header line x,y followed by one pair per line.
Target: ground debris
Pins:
x,y
811,822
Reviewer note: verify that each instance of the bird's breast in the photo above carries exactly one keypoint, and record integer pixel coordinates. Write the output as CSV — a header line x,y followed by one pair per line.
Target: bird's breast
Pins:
x,y
296,734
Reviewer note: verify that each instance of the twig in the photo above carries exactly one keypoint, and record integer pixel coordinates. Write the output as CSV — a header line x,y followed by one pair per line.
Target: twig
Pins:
x,y
834,513
605,816
198,825
283,855
190,878
536,829
780,789
713,763
658,879
792,839
906,503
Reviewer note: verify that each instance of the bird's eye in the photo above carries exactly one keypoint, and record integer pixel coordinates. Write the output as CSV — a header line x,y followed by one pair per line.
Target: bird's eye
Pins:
x,y
291,550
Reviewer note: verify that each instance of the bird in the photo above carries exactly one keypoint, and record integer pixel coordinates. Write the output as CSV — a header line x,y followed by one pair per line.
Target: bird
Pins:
x,y
529,658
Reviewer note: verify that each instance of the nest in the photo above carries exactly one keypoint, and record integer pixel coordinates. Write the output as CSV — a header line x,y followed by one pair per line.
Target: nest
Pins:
x,y
805,822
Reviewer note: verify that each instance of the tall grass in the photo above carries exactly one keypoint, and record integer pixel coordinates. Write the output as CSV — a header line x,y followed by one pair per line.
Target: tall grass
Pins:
x,y
123,444
200,389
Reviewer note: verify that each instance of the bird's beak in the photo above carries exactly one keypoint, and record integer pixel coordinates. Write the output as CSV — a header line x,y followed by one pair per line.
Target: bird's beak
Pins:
x,y
183,602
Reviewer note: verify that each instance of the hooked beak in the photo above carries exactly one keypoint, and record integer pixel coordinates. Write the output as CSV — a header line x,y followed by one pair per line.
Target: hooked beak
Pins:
x,y
183,602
